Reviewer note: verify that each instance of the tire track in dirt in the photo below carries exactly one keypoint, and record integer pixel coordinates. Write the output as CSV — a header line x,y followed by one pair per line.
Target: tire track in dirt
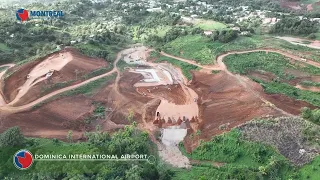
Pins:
x,y
242,80
11,109
220,66
2,99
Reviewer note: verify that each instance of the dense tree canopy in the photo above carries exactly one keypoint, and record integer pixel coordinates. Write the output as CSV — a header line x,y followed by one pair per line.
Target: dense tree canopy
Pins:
x,y
295,26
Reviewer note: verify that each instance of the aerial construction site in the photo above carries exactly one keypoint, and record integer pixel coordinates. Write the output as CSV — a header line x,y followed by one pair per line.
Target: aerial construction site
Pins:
x,y
50,96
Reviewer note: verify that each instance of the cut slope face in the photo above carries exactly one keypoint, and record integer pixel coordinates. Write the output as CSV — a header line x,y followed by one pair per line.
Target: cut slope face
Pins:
x,y
35,79
42,71
224,103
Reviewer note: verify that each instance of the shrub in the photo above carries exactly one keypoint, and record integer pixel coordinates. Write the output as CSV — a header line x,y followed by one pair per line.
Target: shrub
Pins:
x,y
12,137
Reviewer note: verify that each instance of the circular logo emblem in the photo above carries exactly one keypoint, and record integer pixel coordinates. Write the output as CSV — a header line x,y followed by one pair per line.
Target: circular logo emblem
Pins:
x,y
22,159
22,15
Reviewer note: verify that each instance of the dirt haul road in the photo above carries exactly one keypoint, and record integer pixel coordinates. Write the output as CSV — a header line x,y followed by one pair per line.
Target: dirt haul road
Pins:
x,y
10,109
2,101
221,66
39,72
244,81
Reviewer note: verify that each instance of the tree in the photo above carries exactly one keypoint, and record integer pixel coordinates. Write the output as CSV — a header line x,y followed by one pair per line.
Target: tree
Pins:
x,y
134,173
12,137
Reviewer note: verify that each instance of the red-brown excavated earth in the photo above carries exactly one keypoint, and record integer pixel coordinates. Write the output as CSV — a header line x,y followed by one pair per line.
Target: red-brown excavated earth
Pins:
x,y
127,99
290,4
287,104
224,101
54,119
172,93
72,73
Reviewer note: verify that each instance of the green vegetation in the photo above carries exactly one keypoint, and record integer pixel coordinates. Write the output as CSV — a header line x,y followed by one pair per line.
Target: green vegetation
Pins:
x,y
209,24
4,47
229,148
310,171
271,62
142,34
276,87
130,140
185,67
56,86
98,72
310,83
95,49
278,65
311,115
88,89
195,47
244,160
295,26
317,36
230,156
19,41
98,113
11,137
215,71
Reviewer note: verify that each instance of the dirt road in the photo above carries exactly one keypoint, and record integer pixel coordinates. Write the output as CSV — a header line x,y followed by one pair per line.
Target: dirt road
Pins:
x,y
220,66
315,44
209,67
53,63
2,101
243,80
10,109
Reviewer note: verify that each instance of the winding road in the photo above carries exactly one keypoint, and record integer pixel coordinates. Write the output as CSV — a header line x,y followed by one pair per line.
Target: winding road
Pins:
x,y
12,109
219,66
2,100
243,80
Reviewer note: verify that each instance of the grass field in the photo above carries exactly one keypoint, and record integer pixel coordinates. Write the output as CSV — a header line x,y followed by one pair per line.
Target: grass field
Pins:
x,y
209,24
203,50
311,171
185,67
271,62
276,64
194,47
